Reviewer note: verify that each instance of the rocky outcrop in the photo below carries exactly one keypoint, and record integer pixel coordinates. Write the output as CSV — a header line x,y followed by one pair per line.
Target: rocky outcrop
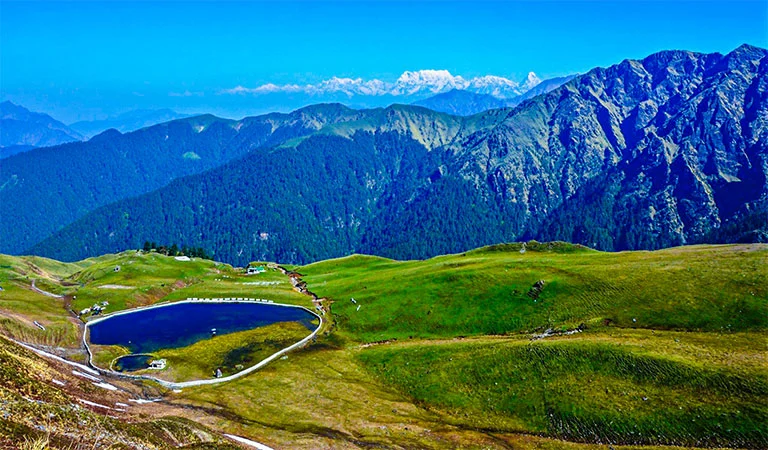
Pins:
x,y
643,154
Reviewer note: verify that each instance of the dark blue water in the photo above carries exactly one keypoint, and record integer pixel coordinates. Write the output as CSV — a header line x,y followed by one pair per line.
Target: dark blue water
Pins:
x,y
130,363
183,324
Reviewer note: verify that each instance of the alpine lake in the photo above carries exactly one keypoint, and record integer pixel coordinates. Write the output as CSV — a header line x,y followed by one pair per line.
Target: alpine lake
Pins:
x,y
196,340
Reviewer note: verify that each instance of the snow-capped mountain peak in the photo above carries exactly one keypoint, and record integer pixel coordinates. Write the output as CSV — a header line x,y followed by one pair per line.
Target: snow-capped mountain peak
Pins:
x,y
531,81
409,83
432,81
496,86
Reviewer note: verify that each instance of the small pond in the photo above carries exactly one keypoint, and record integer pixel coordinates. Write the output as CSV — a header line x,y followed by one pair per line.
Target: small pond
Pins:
x,y
130,363
182,324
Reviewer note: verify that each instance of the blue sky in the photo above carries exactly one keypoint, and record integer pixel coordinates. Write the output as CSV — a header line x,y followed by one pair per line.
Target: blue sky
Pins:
x,y
84,60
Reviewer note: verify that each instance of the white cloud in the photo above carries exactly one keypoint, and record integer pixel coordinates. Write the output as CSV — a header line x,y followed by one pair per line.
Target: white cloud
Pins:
x,y
185,94
420,82
236,90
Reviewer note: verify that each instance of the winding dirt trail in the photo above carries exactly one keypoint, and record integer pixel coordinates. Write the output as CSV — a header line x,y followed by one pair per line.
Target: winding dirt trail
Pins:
x,y
301,286
46,293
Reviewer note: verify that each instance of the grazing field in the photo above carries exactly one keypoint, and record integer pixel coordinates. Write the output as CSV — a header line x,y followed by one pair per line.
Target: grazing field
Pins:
x,y
132,279
491,291
271,284
632,387
230,352
21,306
558,346
665,347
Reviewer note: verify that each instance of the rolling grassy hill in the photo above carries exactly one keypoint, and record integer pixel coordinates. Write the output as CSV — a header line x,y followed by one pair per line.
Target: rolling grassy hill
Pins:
x,y
20,305
559,346
491,291
635,387
621,375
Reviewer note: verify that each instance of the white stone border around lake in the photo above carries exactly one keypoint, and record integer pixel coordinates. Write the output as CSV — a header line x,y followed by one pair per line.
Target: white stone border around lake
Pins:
x,y
185,384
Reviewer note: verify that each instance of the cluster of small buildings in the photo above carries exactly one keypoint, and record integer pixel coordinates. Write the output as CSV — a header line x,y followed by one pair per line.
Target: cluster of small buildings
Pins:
x,y
252,270
157,364
97,308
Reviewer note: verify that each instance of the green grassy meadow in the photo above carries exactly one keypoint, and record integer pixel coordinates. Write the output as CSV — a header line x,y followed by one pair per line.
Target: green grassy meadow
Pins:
x,y
559,346
132,279
230,352
486,291
581,389
20,306
673,348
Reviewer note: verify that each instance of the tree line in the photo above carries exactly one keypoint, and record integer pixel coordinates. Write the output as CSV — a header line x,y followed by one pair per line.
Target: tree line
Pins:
x,y
174,250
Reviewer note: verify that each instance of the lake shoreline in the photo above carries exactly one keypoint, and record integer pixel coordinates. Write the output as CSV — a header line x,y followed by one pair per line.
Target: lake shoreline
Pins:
x,y
184,384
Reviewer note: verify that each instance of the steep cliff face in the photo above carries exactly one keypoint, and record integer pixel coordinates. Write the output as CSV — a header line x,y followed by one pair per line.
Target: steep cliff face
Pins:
x,y
644,154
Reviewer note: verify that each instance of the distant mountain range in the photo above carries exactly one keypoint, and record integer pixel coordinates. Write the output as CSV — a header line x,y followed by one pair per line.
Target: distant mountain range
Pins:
x,y
667,150
420,83
461,103
22,130
465,103
409,87
127,122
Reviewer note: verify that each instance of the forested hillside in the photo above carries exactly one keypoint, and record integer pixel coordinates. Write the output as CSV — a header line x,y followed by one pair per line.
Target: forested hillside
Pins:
x,y
645,154
45,189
